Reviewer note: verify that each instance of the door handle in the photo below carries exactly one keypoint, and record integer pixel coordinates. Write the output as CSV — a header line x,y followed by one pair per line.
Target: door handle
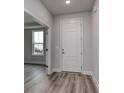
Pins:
x,y
62,52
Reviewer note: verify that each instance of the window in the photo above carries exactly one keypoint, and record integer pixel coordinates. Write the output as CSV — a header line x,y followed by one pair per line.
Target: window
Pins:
x,y
38,43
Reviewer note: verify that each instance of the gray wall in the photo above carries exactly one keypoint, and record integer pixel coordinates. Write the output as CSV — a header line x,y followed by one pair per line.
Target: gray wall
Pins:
x,y
95,40
55,57
87,63
28,58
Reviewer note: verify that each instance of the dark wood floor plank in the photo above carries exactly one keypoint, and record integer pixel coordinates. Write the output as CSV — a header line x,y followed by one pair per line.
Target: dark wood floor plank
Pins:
x,y
37,81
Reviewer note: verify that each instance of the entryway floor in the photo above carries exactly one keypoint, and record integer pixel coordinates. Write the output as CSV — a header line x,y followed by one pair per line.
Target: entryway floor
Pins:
x,y
37,81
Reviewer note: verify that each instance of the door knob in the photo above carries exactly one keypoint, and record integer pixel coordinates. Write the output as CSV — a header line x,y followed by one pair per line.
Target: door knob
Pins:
x,y
46,49
62,52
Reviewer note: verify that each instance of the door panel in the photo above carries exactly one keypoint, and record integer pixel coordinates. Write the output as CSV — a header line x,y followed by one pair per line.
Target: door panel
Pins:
x,y
71,44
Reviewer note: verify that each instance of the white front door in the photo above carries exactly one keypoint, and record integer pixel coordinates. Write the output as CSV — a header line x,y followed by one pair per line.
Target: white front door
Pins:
x,y
71,44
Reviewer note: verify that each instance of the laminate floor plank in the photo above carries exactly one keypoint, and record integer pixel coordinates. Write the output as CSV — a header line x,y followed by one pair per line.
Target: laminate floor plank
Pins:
x,y
36,80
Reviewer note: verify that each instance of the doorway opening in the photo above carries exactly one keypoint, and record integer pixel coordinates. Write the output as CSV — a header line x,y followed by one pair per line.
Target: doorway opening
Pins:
x,y
36,42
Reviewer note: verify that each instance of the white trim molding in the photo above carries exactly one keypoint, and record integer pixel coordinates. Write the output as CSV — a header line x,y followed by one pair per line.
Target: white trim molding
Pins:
x,y
95,81
56,70
87,73
93,77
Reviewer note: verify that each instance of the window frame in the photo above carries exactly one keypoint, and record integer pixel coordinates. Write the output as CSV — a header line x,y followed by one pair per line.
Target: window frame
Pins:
x,y
38,43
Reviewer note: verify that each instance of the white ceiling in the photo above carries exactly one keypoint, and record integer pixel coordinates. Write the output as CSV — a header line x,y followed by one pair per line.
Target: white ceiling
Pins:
x,y
59,7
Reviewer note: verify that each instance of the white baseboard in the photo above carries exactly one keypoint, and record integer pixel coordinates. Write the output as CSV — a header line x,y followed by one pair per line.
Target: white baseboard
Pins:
x,y
93,76
56,70
34,62
95,80
87,73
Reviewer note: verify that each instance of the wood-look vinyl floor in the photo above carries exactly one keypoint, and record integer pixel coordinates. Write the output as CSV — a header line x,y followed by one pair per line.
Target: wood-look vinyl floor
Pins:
x,y
37,81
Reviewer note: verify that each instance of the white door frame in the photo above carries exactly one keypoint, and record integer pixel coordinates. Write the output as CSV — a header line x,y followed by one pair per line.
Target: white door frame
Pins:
x,y
60,51
49,71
